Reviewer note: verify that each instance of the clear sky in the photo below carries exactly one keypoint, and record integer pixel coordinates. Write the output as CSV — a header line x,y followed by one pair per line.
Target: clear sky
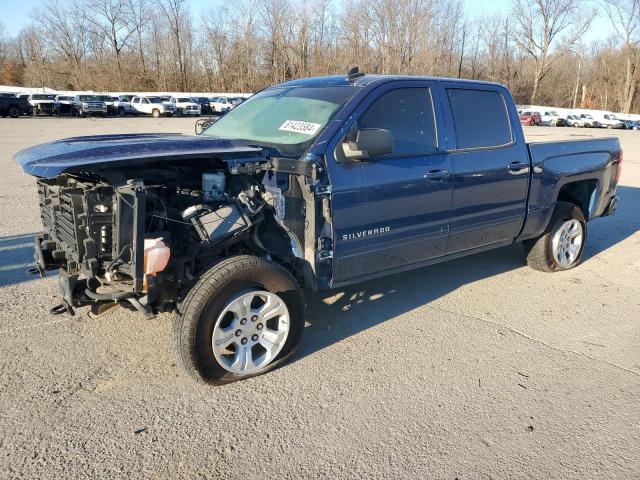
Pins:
x,y
14,14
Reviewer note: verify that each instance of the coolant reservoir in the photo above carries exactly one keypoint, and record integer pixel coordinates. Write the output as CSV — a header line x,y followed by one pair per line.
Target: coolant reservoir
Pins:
x,y
156,255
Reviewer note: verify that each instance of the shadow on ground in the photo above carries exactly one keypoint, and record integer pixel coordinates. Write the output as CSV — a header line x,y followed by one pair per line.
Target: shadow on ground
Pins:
x,y
16,257
337,315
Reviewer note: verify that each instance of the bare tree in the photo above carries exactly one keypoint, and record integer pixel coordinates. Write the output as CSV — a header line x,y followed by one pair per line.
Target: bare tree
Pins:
x,y
179,20
66,32
111,21
545,30
624,15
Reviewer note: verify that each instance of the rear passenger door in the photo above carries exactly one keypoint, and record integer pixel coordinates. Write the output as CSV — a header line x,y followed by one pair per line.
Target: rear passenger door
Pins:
x,y
391,211
490,166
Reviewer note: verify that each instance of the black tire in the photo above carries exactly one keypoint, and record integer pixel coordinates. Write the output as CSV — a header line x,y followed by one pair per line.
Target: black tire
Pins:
x,y
155,113
121,112
14,112
540,250
196,315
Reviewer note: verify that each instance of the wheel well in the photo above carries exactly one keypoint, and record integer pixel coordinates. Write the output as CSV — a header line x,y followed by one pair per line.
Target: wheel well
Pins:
x,y
580,194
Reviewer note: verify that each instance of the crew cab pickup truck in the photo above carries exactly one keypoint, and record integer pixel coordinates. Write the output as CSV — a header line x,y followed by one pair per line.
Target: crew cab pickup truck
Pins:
x,y
42,103
14,106
308,185
185,106
154,106
123,105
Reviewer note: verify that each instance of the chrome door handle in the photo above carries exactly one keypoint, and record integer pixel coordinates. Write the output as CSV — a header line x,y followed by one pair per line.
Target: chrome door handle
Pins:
x,y
436,175
517,168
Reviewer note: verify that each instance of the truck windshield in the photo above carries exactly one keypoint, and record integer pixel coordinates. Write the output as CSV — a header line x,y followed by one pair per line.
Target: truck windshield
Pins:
x,y
287,118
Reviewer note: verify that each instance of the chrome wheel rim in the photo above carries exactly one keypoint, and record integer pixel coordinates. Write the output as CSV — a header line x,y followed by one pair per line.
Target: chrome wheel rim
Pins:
x,y
567,243
250,332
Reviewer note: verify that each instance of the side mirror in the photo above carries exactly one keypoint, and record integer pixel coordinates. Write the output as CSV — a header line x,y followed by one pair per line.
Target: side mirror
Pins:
x,y
367,143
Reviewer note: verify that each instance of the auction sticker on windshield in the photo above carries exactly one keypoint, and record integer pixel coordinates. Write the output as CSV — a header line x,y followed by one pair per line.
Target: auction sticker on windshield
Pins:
x,y
300,127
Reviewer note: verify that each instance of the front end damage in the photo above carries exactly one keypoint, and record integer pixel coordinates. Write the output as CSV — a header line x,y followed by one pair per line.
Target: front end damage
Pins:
x,y
141,236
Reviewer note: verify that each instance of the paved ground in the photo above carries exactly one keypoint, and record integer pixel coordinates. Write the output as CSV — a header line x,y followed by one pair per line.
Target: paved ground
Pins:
x,y
478,368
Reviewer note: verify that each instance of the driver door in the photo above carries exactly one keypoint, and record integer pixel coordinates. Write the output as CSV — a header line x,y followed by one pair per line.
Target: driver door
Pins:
x,y
392,212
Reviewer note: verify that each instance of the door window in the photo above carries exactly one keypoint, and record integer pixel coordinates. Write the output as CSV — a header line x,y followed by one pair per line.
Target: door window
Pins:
x,y
408,114
480,118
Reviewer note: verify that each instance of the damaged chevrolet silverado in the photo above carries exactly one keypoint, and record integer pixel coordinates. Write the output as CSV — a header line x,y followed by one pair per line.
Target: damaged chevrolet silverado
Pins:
x,y
309,185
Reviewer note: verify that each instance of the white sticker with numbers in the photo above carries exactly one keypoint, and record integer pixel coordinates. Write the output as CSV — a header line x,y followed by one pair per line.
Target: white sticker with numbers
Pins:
x,y
300,127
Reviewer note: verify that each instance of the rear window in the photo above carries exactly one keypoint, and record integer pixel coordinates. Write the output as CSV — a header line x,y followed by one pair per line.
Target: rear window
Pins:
x,y
480,118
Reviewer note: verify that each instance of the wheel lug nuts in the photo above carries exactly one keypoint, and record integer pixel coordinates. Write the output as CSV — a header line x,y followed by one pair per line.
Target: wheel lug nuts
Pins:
x,y
254,337
254,318
238,332
243,341
243,321
259,327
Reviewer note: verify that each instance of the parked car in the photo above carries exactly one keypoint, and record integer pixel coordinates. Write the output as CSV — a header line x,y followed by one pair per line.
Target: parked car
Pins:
x,y
65,105
109,101
630,124
185,106
575,121
221,104
237,100
205,108
42,103
153,106
89,105
588,120
313,184
608,120
122,105
530,118
14,106
552,119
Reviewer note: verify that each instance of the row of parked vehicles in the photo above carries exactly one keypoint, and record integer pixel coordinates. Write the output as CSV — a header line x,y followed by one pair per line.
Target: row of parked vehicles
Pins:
x,y
536,118
12,105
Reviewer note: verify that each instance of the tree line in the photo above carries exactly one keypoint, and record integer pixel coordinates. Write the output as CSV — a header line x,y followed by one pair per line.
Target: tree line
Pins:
x,y
538,48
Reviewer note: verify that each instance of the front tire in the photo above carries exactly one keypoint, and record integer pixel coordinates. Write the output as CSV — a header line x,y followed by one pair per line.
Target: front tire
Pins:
x,y
243,318
155,113
562,245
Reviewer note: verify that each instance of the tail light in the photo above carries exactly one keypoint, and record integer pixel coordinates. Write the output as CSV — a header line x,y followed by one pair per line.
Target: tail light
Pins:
x,y
619,170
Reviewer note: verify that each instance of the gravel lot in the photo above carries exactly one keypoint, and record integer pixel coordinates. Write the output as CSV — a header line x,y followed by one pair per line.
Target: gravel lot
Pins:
x,y
476,368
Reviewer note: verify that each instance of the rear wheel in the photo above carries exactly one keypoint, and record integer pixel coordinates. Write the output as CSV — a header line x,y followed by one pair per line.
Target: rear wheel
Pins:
x,y
243,318
14,112
562,244
121,111
155,113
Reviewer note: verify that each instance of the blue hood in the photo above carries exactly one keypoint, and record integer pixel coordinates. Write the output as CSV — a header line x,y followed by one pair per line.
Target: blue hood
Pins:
x,y
76,154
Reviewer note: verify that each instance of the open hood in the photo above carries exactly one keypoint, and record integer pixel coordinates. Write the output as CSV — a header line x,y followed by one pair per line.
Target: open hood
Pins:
x,y
76,154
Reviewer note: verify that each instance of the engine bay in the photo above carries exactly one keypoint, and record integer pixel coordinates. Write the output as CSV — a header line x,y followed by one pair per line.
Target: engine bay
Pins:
x,y
143,236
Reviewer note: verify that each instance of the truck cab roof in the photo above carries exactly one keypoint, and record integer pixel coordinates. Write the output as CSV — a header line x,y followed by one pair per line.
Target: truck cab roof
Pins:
x,y
370,79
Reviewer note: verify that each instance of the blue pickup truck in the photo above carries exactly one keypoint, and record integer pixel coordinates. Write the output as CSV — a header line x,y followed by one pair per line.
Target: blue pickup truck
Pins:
x,y
312,184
